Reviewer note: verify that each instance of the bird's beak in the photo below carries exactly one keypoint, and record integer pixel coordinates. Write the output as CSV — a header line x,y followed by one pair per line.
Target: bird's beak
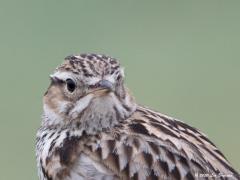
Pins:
x,y
105,84
102,87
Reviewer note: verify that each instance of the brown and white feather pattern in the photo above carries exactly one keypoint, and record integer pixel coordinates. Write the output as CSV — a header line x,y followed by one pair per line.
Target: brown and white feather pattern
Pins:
x,y
96,131
148,145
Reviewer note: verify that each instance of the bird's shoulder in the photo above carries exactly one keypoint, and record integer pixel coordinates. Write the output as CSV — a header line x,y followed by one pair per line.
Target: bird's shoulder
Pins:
x,y
152,145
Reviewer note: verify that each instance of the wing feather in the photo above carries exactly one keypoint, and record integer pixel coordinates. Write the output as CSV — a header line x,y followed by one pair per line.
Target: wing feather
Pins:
x,y
153,145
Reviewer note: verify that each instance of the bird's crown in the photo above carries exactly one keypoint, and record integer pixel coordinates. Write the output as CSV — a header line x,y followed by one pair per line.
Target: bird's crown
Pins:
x,y
90,68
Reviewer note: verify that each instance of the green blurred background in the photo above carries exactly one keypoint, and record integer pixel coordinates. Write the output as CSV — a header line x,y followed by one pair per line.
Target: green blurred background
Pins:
x,y
180,57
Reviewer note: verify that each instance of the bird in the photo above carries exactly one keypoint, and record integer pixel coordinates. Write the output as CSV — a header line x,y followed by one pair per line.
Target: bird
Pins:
x,y
93,128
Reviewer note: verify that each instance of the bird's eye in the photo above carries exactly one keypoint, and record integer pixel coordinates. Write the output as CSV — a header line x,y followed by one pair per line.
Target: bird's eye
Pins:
x,y
71,86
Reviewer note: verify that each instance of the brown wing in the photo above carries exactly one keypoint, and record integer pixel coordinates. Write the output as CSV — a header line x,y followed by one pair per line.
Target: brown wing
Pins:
x,y
150,145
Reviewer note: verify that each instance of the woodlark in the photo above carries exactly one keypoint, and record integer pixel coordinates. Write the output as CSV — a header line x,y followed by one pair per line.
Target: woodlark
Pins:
x,y
93,129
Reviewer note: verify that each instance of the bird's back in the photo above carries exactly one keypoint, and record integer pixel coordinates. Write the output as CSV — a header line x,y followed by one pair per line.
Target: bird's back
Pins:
x,y
148,145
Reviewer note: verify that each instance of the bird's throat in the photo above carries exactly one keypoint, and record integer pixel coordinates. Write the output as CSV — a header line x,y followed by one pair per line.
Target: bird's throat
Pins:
x,y
104,113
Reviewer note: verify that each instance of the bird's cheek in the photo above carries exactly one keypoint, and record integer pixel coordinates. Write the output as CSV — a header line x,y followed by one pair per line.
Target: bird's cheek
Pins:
x,y
64,107
120,92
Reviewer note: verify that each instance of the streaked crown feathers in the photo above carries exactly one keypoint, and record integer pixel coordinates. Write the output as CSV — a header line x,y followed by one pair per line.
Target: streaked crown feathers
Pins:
x,y
90,68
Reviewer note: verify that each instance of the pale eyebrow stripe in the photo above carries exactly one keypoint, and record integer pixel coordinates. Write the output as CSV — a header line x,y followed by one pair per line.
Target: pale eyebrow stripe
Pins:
x,y
61,75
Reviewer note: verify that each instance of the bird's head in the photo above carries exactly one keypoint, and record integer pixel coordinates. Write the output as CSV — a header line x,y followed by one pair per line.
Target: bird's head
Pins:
x,y
87,90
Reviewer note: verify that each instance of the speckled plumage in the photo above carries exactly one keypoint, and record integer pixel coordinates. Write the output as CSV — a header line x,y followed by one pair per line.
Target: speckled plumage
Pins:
x,y
98,131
